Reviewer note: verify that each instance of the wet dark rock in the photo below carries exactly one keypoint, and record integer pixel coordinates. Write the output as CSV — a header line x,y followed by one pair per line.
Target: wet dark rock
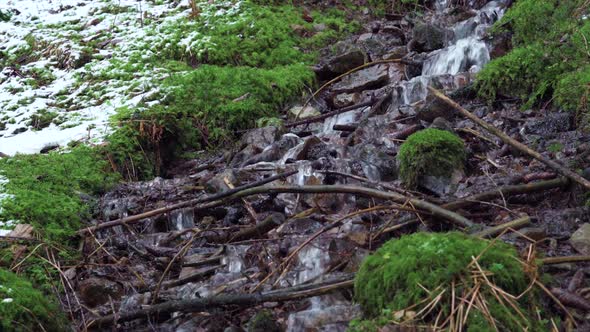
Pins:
x,y
19,130
397,52
233,216
346,99
580,240
442,124
501,45
217,183
97,291
441,186
350,58
427,37
369,78
377,164
49,147
551,124
434,108
535,233
376,45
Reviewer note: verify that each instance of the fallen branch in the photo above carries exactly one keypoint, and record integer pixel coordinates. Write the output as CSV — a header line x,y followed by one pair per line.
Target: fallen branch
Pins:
x,y
271,222
203,304
181,281
343,189
492,231
512,142
156,212
495,193
564,259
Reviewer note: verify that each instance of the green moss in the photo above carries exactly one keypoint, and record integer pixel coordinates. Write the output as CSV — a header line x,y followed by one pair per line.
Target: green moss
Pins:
x,y
432,152
47,189
23,308
399,274
550,59
201,108
263,321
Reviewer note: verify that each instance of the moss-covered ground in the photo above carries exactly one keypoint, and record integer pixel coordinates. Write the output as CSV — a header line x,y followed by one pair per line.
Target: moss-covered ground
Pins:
x,y
550,59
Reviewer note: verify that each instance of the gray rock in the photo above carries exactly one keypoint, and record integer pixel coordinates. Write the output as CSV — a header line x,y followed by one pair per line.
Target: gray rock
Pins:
x,y
302,113
260,138
351,57
580,240
427,38
433,108
369,78
442,124
217,183
97,291
345,99
551,124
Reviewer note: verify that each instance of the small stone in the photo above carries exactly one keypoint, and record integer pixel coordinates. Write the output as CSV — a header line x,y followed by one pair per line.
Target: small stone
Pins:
x,y
580,240
319,27
535,233
97,291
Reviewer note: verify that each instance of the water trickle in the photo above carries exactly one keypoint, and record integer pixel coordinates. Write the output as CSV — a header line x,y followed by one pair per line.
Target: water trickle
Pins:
x,y
181,219
457,58
312,262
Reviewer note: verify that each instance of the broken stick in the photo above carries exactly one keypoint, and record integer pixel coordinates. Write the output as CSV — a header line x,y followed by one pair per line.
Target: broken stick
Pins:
x,y
512,142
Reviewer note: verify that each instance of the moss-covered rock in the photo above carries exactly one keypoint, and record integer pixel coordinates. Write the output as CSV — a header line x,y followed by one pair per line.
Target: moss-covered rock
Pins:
x,y
414,269
24,308
432,152
263,321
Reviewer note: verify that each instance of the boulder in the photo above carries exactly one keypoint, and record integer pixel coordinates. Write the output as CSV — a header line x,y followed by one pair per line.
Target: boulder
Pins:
x,y
369,78
427,37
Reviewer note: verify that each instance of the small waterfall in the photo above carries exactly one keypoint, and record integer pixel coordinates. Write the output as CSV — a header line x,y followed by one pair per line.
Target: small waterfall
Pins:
x,y
460,57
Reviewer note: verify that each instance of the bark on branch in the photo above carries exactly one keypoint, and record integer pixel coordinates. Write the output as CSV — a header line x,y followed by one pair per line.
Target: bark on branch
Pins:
x,y
203,304
156,212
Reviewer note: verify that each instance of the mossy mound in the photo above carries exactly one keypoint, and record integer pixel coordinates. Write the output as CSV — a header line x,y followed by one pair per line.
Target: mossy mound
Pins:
x,y
415,269
432,152
24,308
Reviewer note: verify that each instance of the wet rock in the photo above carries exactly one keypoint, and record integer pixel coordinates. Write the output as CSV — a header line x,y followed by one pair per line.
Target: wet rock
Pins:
x,y
49,147
427,37
263,321
346,99
434,108
376,45
376,162
550,124
299,226
302,113
233,216
397,52
97,291
369,78
336,316
580,240
501,45
19,130
442,124
260,138
351,57
563,222
535,233
217,183
440,185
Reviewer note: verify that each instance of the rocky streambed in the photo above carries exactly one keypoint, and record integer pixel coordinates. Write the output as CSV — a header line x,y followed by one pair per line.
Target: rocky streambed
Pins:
x,y
194,248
